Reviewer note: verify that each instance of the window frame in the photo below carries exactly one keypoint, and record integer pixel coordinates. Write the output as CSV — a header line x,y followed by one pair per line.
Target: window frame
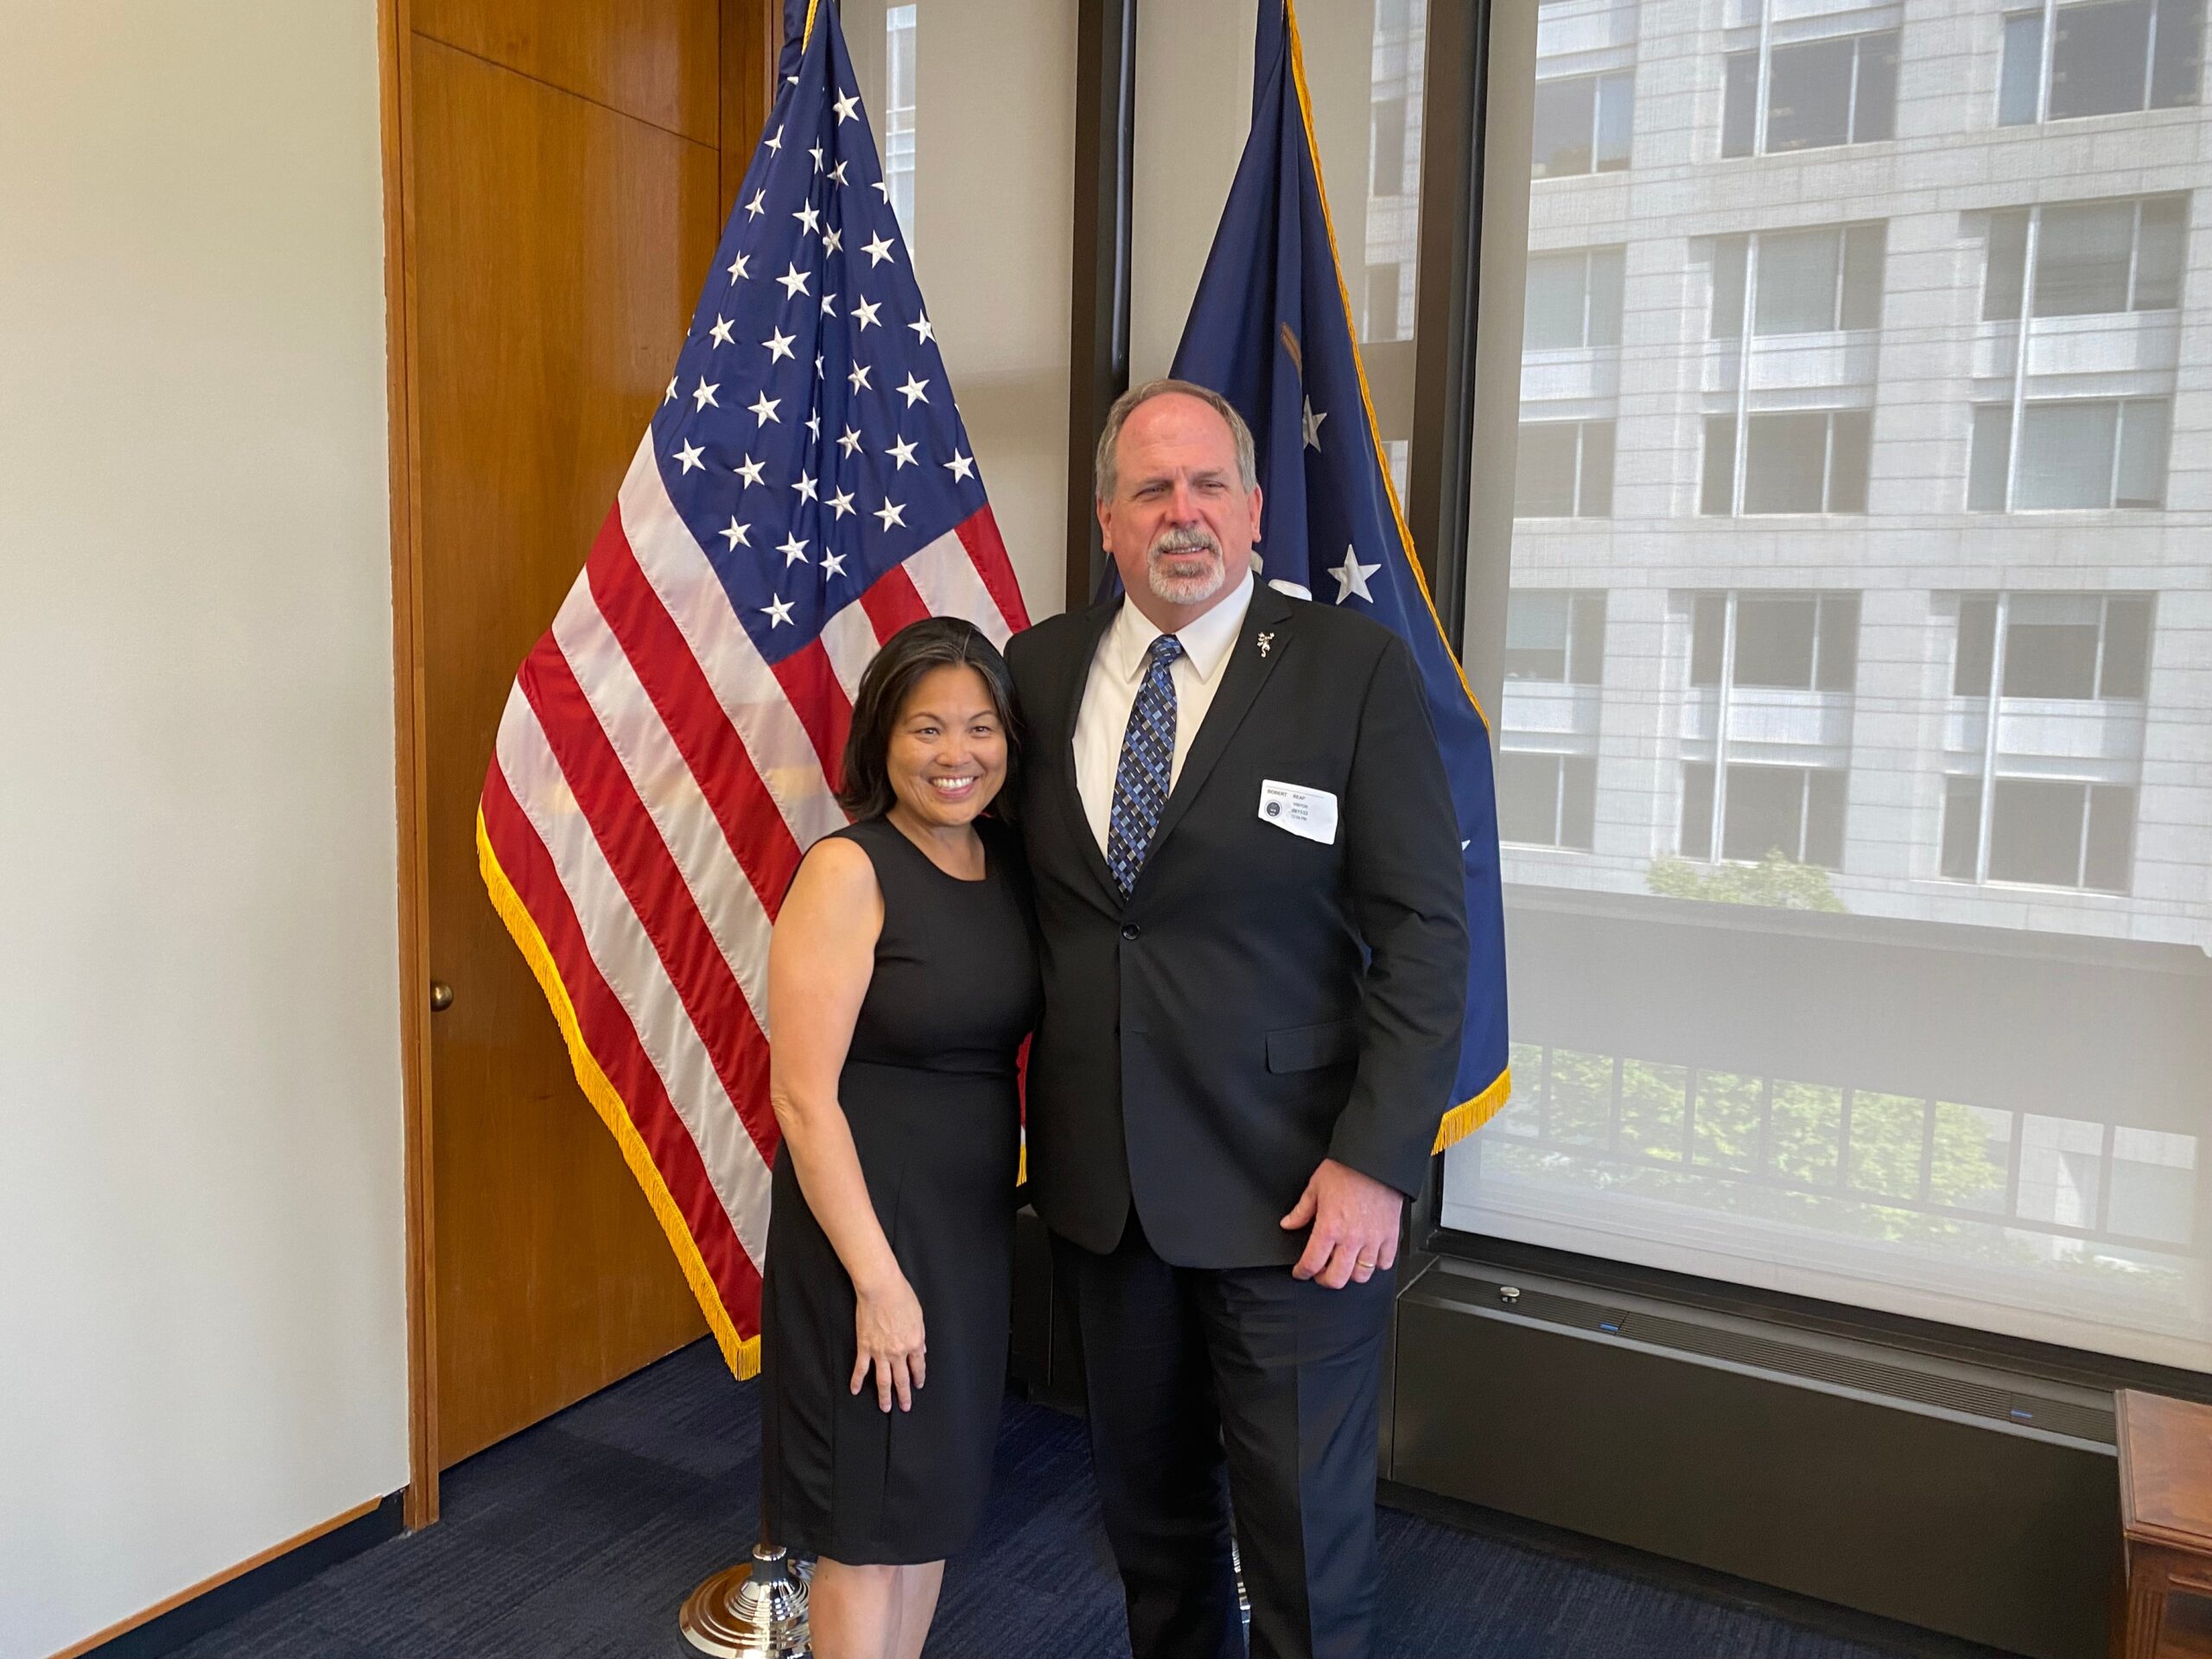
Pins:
x,y
1993,610
1598,79
1761,81
1561,762
2046,19
1584,484
1738,454
1981,418
1470,127
2029,218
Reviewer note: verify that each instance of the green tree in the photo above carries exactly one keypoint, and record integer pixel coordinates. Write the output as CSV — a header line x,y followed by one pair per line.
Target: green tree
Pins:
x,y
1775,881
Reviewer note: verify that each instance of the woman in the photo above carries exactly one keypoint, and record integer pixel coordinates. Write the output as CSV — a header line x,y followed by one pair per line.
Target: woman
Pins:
x,y
901,980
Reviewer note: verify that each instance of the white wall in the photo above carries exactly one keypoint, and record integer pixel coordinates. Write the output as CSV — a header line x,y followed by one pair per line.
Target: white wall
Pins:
x,y
202,1345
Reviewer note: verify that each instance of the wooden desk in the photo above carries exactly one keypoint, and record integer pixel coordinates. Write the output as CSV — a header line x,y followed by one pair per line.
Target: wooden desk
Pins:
x,y
2165,1517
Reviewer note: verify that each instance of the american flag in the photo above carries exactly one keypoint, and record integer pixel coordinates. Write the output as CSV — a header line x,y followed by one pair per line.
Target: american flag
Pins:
x,y
671,745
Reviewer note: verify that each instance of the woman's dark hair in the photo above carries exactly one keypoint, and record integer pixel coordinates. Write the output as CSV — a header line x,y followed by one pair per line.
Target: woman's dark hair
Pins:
x,y
933,642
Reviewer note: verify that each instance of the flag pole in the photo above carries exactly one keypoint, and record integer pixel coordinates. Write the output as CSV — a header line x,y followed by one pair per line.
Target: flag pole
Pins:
x,y
757,1609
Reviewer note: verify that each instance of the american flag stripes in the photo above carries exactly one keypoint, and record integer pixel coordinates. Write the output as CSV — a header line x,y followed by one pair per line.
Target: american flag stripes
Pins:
x,y
671,745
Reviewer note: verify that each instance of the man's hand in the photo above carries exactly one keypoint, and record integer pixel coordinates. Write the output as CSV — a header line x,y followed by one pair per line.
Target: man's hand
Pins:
x,y
1354,1221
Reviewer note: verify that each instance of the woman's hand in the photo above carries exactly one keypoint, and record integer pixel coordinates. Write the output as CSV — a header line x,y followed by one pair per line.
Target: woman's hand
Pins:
x,y
888,1326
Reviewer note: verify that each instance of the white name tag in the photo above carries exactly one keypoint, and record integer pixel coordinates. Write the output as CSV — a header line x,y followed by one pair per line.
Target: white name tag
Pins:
x,y
1308,812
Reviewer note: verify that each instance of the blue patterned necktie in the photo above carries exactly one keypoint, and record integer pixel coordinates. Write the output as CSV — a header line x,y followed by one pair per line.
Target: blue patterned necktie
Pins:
x,y
1148,765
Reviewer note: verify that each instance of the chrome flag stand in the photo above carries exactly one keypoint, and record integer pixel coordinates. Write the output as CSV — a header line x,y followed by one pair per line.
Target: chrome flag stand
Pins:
x,y
756,1610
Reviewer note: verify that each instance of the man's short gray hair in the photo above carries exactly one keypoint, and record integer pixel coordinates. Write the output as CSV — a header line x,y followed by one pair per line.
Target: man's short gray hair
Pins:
x,y
1107,473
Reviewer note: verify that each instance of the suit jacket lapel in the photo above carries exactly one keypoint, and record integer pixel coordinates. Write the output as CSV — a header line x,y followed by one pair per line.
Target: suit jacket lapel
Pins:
x,y
1244,673
1095,624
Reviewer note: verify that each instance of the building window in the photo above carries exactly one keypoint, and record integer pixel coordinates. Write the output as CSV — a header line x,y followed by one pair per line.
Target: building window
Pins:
x,y
1813,281
1795,812
1797,642
2064,645
1797,460
2040,830
1565,471
2091,257
2044,832
1573,300
1546,800
1555,635
2107,57
2076,452
1582,125
898,117
1819,93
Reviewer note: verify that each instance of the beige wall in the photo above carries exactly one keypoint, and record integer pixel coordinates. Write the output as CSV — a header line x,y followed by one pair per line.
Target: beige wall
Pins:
x,y
1193,113
992,237
202,1348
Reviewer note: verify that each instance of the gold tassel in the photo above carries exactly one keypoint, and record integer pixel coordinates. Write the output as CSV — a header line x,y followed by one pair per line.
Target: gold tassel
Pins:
x,y
740,1354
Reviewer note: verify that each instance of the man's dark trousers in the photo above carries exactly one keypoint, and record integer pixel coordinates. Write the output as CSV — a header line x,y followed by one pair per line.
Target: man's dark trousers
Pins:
x,y
1197,1374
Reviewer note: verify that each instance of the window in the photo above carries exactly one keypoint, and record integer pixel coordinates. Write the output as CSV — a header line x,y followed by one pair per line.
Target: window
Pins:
x,y
2043,832
1582,125
1810,282
2067,646
2107,57
1546,800
1792,812
1558,637
1573,300
1566,470
1798,461
1819,93
1799,642
899,116
2091,257
1811,1072
2080,452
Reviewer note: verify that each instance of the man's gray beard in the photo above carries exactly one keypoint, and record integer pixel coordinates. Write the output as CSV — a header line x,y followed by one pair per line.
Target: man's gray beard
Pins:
x,y
1186,590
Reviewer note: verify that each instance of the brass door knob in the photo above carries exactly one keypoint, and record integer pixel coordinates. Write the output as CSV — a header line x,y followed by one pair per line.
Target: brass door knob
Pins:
x,y
440,996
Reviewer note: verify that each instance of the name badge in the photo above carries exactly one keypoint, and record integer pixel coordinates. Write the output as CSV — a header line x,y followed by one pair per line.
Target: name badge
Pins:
x,y
1308,812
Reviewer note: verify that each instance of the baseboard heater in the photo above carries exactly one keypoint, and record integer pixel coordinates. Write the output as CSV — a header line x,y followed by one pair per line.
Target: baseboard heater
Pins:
x,y
1961,1499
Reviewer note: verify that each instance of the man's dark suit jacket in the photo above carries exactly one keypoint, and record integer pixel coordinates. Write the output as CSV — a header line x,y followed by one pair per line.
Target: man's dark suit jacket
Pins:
x,y
1259,1001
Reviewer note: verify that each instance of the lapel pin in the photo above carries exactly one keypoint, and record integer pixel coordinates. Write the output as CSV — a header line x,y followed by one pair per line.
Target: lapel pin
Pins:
x,y
1266,642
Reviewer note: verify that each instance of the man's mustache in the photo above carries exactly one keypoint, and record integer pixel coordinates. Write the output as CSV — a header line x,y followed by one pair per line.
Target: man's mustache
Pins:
x,y
1184,541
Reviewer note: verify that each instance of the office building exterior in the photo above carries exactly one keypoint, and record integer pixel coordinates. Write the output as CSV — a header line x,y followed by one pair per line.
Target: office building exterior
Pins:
x,y
1865,375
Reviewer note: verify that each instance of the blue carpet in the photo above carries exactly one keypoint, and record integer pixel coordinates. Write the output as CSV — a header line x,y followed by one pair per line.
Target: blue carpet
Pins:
x,y
581,1536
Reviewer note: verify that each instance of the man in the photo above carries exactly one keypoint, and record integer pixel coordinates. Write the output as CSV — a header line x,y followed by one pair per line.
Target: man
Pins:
x,y
1248,877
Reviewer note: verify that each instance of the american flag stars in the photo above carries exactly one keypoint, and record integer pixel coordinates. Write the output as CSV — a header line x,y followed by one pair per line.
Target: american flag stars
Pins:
x,y
818,421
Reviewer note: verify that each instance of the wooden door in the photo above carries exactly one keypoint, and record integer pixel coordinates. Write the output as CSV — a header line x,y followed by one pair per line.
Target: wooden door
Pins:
x,y
565,191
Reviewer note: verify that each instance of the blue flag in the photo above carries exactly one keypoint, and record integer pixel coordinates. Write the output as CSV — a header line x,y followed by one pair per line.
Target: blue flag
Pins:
x,y
1270,329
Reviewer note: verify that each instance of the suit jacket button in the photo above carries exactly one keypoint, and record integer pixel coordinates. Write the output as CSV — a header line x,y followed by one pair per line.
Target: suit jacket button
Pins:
x,y
1130,930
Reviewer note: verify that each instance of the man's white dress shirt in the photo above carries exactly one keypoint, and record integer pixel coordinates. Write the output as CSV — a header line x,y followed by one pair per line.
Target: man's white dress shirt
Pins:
x,y
1117,674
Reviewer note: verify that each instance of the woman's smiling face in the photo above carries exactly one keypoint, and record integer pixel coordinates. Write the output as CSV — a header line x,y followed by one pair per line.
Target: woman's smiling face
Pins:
x,y
947,758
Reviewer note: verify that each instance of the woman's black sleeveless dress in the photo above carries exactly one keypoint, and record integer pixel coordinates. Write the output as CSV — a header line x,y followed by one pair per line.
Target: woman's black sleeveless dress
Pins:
x,y
929,1089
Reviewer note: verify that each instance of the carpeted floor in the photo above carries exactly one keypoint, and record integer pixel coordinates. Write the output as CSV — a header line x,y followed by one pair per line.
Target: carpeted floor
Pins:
x,y
581,1538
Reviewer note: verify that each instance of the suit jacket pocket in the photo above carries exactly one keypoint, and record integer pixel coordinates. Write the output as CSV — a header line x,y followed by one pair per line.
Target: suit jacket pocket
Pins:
x,y
1308,1048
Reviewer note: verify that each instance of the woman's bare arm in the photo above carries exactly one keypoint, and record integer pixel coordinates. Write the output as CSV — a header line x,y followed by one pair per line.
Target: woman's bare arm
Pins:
x,y
819,964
